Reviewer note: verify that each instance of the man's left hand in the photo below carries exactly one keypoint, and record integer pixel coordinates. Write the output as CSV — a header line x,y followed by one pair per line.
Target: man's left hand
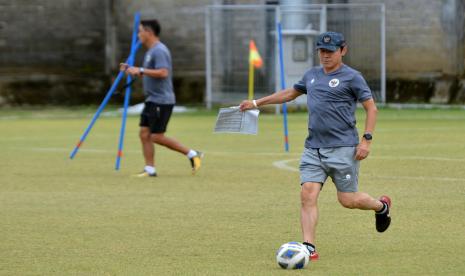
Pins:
x,y
363,149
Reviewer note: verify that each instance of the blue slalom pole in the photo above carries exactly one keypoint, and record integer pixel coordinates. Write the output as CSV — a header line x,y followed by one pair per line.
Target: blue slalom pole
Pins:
x,y
283,85
97,114
99,110
134,47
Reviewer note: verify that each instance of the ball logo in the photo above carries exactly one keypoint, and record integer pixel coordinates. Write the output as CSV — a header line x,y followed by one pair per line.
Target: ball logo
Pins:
x,y
348,177
333,83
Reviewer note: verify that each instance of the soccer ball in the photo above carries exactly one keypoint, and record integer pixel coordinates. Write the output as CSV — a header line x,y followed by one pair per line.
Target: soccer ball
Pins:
x,y
292,255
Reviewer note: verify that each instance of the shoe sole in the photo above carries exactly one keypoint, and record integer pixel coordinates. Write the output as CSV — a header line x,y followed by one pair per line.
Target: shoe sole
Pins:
x,y
144,175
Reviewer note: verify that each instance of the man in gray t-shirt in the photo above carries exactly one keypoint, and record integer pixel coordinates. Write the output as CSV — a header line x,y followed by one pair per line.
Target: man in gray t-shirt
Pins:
x,y
159,98
158,90
332,147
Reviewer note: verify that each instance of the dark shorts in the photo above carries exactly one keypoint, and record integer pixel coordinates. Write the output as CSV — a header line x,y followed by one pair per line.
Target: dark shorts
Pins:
x,y
156,116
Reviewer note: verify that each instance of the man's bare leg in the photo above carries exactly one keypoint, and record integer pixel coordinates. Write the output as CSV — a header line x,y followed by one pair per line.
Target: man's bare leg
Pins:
x,y
309,215
171,143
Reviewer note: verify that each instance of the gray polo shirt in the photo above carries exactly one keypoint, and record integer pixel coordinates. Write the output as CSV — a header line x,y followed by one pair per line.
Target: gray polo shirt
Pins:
x,y
156,90
332,101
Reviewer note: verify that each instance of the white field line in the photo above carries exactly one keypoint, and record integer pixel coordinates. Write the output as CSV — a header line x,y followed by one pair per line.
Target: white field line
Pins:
x,y
70,149
92,150
421,146
248,153
283,165
414,129
419,158
418,178
54,137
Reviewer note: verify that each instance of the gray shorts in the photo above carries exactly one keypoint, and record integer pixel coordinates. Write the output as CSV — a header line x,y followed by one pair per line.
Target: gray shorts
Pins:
x,y
338,163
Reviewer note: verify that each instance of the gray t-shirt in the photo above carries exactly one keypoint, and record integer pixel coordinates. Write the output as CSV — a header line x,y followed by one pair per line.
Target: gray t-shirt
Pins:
x,y
332,101
157,90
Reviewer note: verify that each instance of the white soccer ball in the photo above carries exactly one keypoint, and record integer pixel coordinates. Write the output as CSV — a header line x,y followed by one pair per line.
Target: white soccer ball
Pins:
x,y
292,255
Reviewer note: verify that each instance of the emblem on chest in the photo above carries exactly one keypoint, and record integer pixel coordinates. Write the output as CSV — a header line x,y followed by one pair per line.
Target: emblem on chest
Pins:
x,y
333,83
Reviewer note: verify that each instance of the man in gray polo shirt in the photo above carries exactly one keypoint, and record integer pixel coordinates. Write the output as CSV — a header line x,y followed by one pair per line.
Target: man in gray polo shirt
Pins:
x,y
159,98
332,147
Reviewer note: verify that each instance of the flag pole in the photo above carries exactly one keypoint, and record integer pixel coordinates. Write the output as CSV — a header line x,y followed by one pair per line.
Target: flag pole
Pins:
x,y
251,80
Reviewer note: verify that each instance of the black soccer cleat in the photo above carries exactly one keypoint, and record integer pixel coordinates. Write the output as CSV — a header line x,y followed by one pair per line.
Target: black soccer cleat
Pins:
x,y
383,219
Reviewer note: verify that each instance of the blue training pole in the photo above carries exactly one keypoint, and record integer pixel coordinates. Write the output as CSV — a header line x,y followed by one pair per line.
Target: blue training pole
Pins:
x,y
99,110
127,96
97,114
283,85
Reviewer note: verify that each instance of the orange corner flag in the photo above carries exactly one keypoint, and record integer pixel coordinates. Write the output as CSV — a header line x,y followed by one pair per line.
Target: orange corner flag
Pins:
x,y
254,56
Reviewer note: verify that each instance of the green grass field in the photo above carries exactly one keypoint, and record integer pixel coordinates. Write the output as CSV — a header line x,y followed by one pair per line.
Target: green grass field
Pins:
x,y
81,217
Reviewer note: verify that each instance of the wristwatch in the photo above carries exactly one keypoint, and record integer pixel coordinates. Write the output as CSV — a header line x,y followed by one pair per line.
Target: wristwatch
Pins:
x,y
368,136
141,70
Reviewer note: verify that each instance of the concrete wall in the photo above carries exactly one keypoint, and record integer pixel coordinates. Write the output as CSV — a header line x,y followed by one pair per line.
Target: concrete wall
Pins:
x,y
50,34
51,51
425,50
183,31
47,44
424,38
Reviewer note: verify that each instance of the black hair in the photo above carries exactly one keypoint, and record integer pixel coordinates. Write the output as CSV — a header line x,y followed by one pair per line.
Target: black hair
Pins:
x,y
153,25
343,45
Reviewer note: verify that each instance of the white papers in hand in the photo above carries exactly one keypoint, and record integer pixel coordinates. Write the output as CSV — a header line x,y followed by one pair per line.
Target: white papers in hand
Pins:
x,y
233,120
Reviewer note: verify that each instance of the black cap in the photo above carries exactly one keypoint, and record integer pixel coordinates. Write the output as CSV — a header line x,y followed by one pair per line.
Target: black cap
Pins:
x,y
330,41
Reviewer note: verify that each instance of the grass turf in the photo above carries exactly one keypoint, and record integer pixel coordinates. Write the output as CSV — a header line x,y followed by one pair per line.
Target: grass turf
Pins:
x,y
60,216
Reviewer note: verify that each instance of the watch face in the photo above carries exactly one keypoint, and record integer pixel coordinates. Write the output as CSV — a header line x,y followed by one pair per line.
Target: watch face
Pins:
x,y
367,136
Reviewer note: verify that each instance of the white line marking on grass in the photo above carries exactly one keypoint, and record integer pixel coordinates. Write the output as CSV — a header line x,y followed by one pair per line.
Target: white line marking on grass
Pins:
x,y
279,163
204,151
283,165
70,149
419,129
421,146
420,178
250,153
421,158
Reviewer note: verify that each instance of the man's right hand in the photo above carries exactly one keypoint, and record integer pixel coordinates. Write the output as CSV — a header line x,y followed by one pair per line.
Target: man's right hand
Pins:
x,y
246,105
130,70
123,66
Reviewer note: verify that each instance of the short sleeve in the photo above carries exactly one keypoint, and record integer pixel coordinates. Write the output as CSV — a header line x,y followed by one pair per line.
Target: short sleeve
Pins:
x,y
300,86
161,60
360,88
